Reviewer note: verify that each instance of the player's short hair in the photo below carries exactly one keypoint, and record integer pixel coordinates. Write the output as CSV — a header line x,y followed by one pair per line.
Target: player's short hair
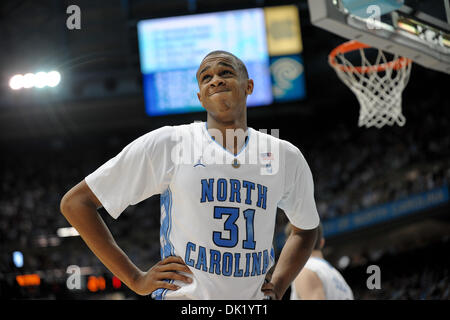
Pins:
x,y
241,65
318,237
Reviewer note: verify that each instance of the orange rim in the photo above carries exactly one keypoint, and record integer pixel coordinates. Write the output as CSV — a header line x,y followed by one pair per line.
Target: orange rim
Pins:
x,y
353,45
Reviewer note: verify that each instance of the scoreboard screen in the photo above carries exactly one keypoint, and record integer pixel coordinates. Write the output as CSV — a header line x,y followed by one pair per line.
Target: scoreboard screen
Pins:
x,y
172,48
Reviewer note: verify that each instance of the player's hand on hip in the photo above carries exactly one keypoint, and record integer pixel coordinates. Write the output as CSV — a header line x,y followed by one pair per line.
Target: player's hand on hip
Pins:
x,y
167,269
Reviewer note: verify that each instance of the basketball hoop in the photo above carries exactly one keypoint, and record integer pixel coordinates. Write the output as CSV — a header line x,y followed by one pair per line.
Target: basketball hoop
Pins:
x,y
378,86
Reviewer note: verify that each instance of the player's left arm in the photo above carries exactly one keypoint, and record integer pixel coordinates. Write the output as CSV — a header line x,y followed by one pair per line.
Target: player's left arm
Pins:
x,y
299,205
293,257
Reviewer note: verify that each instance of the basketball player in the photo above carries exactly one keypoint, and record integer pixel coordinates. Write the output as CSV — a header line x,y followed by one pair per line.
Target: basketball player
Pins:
x,y
319,280
217,217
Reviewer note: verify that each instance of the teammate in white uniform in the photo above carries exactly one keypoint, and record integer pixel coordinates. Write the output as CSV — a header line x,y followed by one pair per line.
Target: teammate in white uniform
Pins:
x,y
219,196
319,280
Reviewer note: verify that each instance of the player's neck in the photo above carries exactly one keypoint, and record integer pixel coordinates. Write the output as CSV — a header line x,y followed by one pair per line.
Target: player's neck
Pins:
x,y
234,129
240,123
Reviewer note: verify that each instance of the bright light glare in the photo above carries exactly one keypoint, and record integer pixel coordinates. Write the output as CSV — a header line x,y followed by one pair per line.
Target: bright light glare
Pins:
x,y
18,259
16,82
40,80
28,80
53,78
344,262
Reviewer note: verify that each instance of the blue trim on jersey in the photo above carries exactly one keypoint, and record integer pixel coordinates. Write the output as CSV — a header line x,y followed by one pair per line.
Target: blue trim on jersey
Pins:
x,y
243,147
166,225
167,248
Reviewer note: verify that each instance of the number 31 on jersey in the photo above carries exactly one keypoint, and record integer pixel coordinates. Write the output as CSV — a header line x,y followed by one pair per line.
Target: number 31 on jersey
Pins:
x,y
232,228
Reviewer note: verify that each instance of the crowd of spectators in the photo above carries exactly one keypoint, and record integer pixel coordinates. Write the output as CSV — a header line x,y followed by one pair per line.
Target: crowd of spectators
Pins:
x,y
361,168
419,274
31,191
353,169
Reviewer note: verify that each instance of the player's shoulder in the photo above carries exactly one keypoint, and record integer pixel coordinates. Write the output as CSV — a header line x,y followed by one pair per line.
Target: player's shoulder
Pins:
x,y
290,152
160,134
168,134
273,137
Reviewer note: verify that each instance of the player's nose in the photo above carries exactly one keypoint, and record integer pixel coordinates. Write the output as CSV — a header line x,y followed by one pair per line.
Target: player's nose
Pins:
x,y
217,81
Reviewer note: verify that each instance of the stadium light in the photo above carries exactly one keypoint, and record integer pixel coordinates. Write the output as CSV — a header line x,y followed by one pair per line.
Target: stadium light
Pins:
x,y
18,259
26,280
343,262
95,284
116,282
16,82
28,80
41,80
38,80
53,78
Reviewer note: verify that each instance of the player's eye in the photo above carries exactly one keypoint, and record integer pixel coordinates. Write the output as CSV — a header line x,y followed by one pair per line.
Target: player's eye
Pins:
x,y
205,77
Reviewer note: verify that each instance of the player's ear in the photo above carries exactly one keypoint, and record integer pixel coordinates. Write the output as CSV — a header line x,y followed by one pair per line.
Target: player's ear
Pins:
x,y
249,88
322,243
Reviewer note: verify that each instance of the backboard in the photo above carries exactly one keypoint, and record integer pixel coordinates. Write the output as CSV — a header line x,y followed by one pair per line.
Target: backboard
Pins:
x,y
418,30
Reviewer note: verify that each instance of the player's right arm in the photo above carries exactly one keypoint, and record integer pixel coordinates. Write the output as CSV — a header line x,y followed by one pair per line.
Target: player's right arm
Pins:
x,y
79,206
308,286
299,206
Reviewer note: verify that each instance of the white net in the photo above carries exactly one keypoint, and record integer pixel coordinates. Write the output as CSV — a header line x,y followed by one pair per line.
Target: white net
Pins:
x,y
378,87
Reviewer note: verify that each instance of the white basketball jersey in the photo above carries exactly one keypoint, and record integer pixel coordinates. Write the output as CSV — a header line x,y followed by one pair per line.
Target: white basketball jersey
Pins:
x,y
217,210
334,285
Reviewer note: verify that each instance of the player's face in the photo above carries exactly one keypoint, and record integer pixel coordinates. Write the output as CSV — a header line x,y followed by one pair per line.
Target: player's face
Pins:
x,y
223,88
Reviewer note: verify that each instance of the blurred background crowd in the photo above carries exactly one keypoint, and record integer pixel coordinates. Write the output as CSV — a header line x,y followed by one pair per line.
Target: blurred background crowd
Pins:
x,y
366,169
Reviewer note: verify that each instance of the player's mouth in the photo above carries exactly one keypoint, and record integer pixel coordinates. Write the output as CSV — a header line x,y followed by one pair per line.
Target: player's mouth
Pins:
x,y
220,90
